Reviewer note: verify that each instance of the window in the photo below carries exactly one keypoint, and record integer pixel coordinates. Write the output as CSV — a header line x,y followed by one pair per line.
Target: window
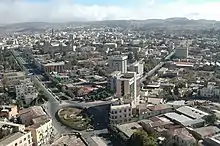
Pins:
x,y
24,138
125,110
20,141
16,144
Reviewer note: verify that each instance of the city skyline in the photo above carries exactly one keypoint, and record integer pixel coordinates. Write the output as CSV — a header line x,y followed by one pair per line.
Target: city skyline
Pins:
x,y
12,11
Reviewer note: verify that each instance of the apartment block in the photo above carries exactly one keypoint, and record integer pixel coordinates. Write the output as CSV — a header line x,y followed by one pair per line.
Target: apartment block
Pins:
x,y
26,90
14,135
41,132
120,113
13,78
118,63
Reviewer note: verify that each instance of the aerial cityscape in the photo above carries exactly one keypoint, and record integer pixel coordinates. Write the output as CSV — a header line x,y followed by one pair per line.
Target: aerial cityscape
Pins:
x,y
108,75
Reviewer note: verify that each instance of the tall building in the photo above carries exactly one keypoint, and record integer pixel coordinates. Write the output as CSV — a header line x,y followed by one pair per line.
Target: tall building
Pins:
x,y
181,52
118,63
113,80
137,67
126,87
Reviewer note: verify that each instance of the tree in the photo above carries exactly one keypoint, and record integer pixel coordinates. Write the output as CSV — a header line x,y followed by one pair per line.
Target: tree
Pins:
x,y
141,138
211,119
176,91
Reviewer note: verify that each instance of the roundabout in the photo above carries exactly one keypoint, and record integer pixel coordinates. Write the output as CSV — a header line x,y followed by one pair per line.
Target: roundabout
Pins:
x,y
74,118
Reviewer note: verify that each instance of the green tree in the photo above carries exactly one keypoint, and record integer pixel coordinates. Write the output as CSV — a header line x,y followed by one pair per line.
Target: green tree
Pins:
x,y
141,138
176,91
211,119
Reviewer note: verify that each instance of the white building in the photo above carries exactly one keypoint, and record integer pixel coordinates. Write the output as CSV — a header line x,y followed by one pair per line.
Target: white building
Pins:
x,y
137,67
209,91
118,63
12,78
113,80
120,113
110,45
41,132
126,87
26,90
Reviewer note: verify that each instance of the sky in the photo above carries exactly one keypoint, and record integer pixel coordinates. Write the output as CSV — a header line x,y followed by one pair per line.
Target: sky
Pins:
x,y
13,11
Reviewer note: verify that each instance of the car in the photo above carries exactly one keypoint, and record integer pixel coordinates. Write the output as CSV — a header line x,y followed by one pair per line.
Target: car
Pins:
x,y
89,129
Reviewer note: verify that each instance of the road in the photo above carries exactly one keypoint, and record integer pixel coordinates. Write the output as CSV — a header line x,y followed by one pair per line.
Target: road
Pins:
x,y
157,67
54,104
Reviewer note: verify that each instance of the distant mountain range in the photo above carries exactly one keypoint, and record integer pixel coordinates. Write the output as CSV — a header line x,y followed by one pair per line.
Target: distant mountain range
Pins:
x,y
170,23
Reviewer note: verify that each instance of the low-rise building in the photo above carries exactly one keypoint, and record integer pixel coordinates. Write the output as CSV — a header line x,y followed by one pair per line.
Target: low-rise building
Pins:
x,y
213,141
8,111
155,110
191,112
129,128
14,135
184,120
54,67
27,115
68,139
13,78
181,137
205,132
209,91
120,113
26,90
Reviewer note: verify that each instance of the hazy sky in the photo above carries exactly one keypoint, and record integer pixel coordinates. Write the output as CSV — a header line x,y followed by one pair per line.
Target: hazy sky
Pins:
x,y
84,10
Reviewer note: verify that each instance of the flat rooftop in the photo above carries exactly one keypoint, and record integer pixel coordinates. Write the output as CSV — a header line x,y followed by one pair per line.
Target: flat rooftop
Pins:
x,y
129,128
10,138
98,141
118,57
70,140
177,117
192,112
158,107
207,131
55,63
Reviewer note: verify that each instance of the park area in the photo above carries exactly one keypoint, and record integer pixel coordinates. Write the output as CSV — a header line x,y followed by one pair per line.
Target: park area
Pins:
x,y
74,118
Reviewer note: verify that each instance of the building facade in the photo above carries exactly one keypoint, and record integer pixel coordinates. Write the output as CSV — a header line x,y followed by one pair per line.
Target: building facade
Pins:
x,y
13,78
14,135
41,132
8,111
120,113
181,52
126,87
118,63
54,67
26,90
